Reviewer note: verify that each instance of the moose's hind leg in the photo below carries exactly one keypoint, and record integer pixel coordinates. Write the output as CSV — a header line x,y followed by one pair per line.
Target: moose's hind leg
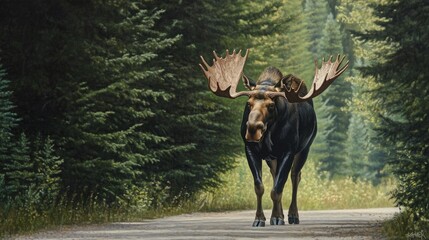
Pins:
x,y
293,216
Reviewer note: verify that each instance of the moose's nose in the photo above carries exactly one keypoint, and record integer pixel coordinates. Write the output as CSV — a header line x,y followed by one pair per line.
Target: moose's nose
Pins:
x,y
255,131
253,127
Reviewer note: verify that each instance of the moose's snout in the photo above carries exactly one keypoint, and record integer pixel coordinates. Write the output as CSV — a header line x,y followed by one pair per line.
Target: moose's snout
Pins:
x,y
255,131
253,127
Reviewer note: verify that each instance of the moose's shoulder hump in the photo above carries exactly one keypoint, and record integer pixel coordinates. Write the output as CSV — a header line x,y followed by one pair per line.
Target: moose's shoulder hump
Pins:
x,y
270,76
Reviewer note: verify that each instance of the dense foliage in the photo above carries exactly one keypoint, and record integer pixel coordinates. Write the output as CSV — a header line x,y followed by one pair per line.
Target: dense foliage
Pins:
x,y
116,88
391,45
336,96
404,93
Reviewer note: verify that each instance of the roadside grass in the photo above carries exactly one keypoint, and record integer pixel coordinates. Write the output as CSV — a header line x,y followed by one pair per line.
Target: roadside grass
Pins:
x,y
29,219
237,193
315,192
404,226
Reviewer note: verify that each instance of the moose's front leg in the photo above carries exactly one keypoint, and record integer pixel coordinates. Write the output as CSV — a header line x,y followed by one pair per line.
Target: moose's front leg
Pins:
x,y
255,164
282,172
298,163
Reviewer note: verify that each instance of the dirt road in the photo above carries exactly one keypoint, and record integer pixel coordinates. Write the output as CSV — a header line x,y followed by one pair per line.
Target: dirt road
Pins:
x,y
331,224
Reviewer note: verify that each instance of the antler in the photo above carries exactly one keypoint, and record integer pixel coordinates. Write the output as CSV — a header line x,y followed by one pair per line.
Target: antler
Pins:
x,y
225,73
323,77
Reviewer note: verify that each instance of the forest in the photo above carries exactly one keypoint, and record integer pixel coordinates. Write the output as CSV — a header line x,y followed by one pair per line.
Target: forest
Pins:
x,y
102,103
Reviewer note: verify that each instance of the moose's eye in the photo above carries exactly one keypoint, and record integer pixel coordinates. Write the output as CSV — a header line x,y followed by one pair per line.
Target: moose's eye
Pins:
x,y
271,106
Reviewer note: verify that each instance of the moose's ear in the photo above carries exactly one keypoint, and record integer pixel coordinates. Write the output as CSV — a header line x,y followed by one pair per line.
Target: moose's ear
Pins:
x,y
248,83
280,85
289,81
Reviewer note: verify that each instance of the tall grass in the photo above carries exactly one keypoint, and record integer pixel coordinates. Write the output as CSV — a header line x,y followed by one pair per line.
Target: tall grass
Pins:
x,y
405,225
314,191
30,217
15,219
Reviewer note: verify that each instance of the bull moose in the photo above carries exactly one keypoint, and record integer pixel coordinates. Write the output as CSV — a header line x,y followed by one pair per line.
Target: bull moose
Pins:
x,y
279,123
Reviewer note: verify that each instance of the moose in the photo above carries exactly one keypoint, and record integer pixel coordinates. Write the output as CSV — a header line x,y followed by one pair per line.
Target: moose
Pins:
x,y
279,123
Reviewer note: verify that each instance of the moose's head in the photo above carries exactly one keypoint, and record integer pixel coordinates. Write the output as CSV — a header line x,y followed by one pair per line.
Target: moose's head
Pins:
x,y
225,73
263,105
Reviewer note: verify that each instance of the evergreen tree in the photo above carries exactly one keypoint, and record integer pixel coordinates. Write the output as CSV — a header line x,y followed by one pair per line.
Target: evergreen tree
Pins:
x,y
87,78
330,42
321,145
19,172
316,13
48,169
8,120
403,95
288,47
358,16
332,6
338,94
356,164
111,127
366,157
377,157
124,101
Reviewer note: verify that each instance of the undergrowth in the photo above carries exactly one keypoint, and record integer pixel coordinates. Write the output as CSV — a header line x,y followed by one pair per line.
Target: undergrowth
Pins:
x,y
315,192
405,225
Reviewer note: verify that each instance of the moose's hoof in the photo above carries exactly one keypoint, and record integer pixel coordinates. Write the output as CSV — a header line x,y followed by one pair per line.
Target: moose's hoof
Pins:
x,y
277,221
258,223
293,220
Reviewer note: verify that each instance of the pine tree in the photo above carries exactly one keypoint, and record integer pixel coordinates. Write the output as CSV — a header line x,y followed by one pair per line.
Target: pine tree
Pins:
x,y
288,47
332,6
88,79
48,170
338,94
111,134
325,126
403,94
330,41
8,120
120,95
358,16
356,164
377,158
366,158
316,13
326,40
19,171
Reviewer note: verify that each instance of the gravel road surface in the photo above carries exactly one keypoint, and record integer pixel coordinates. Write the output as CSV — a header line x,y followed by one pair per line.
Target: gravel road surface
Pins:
x,y
327,224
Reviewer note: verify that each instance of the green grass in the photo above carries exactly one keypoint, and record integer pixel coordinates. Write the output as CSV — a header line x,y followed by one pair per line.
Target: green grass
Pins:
x,y
404,226
314,191
26,220
17,217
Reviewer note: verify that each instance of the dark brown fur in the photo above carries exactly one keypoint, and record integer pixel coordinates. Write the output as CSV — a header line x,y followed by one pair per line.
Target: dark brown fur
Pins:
x,y
272,76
